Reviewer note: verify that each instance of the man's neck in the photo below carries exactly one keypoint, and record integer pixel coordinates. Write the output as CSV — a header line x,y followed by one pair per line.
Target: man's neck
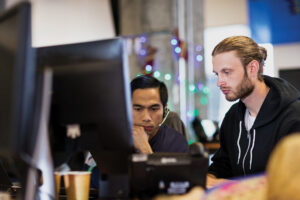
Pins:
x,y
254,101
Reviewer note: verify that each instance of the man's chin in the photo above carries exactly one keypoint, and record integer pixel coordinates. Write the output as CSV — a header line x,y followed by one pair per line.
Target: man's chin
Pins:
x,y
151,133
231,98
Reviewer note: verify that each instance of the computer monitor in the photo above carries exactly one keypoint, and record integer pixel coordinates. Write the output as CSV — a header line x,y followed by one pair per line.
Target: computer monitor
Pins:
x,y
291,75
19,108
91,89
17,76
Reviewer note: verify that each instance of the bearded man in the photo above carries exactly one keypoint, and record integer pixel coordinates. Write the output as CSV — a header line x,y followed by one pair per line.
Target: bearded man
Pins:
x,y
268,109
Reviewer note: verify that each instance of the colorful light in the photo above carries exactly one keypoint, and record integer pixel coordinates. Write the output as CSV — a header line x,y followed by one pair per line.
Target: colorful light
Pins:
x,y
139,74
148,68
198,48
174,42
142,52
191,141
199,58
168,77
200,86
196,112
143,39
177,49
205,90
190,113
156,74
192,88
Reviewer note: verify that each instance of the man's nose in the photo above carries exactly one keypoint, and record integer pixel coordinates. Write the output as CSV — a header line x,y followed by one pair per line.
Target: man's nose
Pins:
x,y
220,81
146,116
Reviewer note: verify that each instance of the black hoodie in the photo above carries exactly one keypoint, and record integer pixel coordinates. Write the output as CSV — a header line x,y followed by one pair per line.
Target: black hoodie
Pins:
x,y
243,152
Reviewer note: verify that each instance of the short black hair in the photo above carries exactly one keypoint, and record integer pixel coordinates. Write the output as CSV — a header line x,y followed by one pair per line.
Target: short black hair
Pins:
x,y
145,82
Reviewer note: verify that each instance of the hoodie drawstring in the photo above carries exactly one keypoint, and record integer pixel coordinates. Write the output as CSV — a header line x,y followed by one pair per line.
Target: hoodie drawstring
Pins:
x,y
254,133
238,142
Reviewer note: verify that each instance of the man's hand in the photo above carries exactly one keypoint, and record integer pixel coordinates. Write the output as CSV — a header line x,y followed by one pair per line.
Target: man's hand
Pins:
x,y
141,139
212,181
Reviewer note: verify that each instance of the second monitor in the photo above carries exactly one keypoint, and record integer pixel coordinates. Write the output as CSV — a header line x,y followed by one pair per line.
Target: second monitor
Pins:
x,y
91,90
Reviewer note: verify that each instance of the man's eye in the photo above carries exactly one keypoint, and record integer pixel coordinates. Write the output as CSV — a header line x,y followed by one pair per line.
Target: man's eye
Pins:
x,y
227,72
154,109
137,109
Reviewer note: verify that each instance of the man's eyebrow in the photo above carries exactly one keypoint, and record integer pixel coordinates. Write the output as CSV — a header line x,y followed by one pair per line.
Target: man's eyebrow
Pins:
x,y
137,105
226,69
155,105
223,69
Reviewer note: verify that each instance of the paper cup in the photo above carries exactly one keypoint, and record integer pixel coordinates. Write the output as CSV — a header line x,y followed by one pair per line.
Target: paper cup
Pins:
x,y
57,176
77,184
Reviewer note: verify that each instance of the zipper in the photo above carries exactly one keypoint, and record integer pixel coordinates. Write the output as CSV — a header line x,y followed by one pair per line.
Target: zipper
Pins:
x,y
249,143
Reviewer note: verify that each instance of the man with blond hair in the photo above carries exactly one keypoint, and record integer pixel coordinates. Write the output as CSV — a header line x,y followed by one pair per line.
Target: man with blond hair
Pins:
x,y
267,110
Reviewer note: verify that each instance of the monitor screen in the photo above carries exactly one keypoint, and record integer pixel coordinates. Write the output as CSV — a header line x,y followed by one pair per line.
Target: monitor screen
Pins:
x,y
91,90
291,75
17,80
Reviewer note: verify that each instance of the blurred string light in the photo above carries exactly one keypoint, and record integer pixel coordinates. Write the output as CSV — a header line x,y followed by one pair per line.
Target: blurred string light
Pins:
x,y
200,86
193,113
198,48
178,50
143,39
191,141
168,76
205,90
196,112
174,41
175,47
148,69
139,74
192,88
156,74
190,114
141,47
142,52
199,58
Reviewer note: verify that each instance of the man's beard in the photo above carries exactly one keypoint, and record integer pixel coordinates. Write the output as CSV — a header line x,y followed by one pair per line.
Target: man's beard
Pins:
x,y
244,89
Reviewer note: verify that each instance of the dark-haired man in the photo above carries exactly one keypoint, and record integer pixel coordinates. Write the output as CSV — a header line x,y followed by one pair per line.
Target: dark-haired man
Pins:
x,y
150,133
269,109
149,105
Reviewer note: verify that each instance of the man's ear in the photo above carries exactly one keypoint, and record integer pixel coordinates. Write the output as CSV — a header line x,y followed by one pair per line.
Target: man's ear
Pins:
x,y
252,69
165,110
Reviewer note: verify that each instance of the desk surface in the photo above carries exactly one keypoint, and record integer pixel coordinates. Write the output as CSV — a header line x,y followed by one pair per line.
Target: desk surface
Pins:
x,y
212,147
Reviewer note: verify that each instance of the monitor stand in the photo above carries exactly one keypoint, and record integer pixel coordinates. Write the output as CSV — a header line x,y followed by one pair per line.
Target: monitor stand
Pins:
x,y
42,153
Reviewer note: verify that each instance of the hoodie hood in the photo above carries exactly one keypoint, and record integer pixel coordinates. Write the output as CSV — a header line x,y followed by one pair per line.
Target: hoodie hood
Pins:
x,y
282,94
